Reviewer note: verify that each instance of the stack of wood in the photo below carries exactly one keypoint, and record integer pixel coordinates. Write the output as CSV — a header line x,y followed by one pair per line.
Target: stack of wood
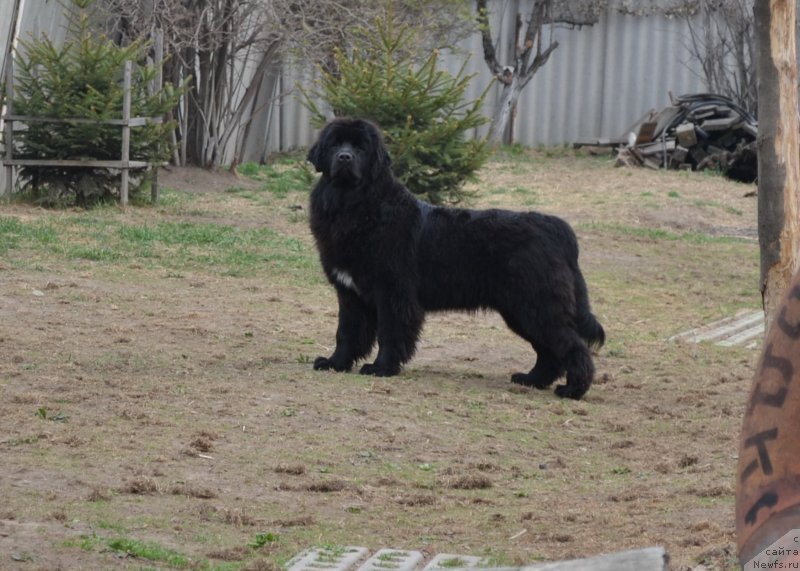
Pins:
x,y
696,132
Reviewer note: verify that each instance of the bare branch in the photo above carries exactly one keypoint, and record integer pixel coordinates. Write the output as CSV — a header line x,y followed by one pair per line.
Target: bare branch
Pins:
x,y
489,53
721,41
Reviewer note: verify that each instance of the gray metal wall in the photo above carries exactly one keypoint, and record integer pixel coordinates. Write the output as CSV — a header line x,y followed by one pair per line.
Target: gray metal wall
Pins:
x,y
36,17
597,83
603,78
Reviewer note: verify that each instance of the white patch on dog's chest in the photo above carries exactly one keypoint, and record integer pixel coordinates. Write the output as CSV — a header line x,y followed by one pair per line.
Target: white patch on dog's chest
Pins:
x,y
345,279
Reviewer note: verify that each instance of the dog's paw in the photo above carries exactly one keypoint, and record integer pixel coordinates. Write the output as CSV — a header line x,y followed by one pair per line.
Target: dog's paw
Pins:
x,y
379,370
521,379
569,392
530,380
326,364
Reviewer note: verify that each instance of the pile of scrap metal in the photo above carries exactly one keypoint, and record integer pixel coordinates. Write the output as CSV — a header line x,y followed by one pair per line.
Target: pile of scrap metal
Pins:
x,y
696,132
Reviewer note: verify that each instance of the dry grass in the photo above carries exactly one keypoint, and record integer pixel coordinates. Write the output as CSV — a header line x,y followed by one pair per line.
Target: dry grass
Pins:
x,y
211,395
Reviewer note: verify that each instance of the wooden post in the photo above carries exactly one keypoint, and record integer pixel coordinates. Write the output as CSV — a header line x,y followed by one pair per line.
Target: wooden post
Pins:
x,y
9,124
185,126
158,47
126,134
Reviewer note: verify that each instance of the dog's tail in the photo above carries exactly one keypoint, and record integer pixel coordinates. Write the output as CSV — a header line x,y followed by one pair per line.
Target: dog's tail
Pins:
x,y
588,327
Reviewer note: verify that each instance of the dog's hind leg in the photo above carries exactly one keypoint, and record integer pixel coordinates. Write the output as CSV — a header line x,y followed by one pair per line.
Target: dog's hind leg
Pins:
x,y
355,334
580,372
548,367
559,349
544,373
573,356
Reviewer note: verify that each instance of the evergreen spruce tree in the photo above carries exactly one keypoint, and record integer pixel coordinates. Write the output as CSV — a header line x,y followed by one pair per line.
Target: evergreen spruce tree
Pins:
x,y
420,109
82,78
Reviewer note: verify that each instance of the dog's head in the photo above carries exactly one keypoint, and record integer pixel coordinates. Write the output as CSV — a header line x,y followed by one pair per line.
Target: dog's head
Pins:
x,y
350,151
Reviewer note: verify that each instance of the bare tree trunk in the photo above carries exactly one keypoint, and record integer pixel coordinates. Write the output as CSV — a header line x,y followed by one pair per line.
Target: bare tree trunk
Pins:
x,y
778,149
515,78
504,111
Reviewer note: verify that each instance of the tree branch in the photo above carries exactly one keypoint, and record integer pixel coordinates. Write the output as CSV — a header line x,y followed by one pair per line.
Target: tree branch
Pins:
x,y
533,35
489,53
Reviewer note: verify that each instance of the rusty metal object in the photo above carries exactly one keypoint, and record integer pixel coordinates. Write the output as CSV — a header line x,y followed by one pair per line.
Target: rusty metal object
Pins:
x,y
768,476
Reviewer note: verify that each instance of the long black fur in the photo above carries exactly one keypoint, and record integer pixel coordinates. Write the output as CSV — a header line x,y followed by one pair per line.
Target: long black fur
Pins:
x,y
392,257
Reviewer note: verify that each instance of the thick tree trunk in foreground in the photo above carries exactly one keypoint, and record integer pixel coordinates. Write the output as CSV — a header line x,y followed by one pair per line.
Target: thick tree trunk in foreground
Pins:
x,y
778,148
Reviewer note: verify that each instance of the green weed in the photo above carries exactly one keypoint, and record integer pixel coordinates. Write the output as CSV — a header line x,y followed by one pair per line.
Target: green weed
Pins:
x,y
282,178
149,551
262,539
331,553
85,542
249,169
58,417
453,563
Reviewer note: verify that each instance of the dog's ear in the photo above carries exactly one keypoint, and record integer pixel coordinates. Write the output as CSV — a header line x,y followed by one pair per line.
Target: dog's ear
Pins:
x,y
382,161
319,151
315,156
383,155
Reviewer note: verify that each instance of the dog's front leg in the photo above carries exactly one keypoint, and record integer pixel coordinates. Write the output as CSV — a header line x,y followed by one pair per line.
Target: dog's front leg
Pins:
x,y
355,334
399,324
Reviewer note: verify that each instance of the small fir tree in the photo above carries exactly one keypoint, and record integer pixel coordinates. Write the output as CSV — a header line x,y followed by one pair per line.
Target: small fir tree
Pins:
x,y
420,109
82,78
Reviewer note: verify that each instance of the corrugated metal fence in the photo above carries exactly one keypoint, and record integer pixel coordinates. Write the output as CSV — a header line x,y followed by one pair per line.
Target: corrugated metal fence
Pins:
x,y
597,83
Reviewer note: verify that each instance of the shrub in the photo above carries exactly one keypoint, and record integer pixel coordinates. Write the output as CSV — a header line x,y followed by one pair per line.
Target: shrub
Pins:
x,y
420,109
83,79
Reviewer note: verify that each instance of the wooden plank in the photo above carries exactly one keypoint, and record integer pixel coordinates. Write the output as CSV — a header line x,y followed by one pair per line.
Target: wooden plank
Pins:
x,y
68,163
133,122
721,123
650,559
622,139
646,132
665,118
657,147
591,142
704,111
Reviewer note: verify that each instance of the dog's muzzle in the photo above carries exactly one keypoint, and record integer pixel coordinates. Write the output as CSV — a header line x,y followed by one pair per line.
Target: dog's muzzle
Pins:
x,y
345,163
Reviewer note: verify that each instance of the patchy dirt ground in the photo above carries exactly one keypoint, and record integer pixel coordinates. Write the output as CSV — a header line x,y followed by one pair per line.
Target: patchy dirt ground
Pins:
x,y
158,407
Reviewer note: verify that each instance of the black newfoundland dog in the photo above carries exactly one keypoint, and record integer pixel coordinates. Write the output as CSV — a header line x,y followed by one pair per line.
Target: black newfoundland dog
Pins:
x,y
392,257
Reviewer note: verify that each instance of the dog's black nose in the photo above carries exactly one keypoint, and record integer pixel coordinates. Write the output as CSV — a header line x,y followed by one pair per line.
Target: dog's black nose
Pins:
x,y
344,157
